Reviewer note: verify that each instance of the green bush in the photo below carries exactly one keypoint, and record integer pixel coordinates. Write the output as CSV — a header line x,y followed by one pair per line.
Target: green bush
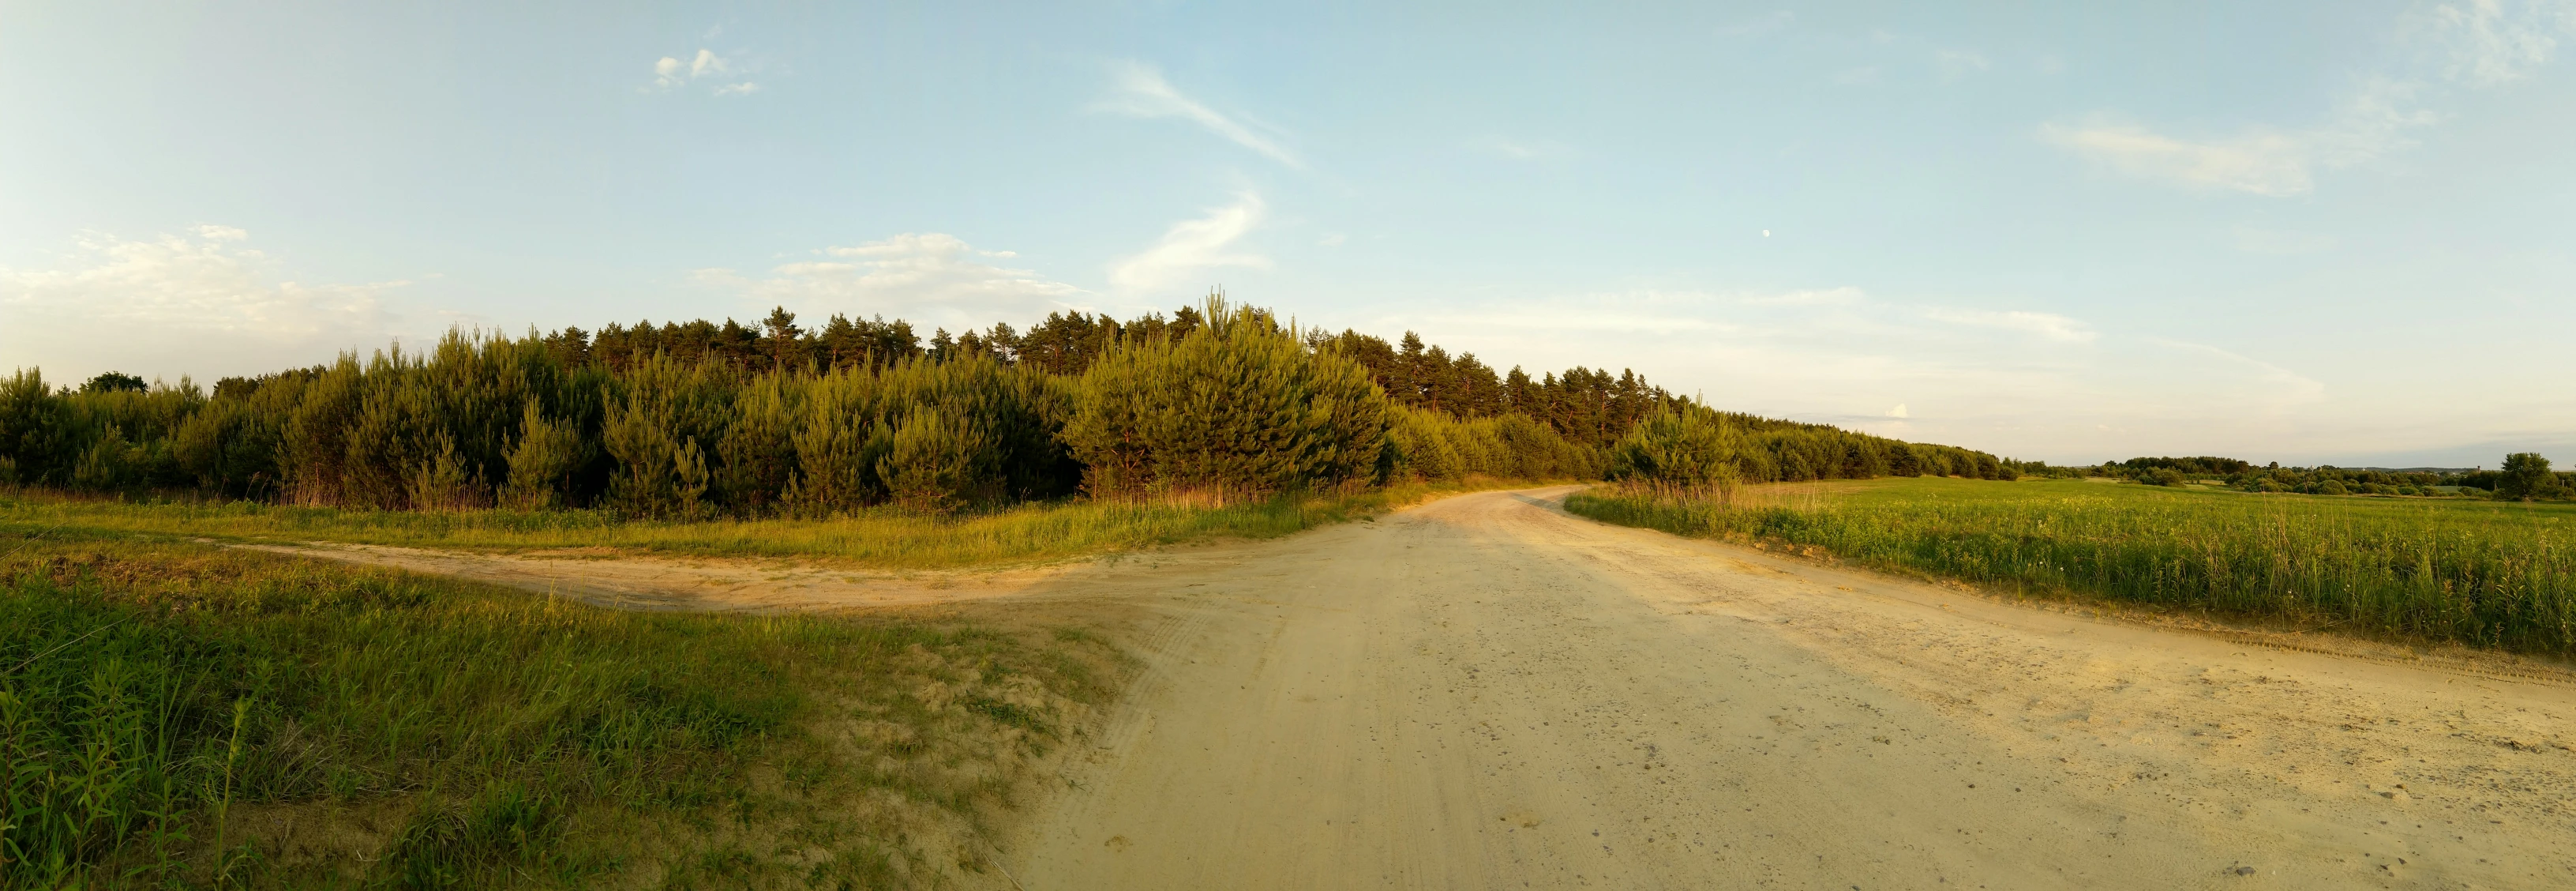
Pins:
x,y
1684,450
1429,445
1237,407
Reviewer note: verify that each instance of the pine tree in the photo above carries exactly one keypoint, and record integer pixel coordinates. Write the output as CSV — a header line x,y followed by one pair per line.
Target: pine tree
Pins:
x,y
784,338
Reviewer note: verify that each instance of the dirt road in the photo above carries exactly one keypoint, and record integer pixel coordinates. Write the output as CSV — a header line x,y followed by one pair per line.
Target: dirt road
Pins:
x,y
1484,692
1487,693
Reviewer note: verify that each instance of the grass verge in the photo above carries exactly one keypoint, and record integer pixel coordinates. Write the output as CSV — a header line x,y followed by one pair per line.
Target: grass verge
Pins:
x,y
2479,573
883,538
174,714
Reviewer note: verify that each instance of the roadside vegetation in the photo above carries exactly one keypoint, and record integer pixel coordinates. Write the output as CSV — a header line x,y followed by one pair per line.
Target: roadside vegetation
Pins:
x,y
1219,404
180,715
882,537
174,713
2524,476
2480,573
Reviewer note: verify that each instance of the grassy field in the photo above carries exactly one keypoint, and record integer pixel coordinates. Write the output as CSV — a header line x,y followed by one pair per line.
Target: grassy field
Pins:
x,y
884,538
175,714
2481,573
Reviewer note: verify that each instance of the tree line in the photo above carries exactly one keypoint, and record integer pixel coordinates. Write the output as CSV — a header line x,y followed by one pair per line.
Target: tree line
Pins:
x,y
2522,476
700,419
1691,449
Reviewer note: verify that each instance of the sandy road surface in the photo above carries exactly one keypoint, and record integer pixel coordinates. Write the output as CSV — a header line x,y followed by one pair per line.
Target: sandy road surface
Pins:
x,y
1486,693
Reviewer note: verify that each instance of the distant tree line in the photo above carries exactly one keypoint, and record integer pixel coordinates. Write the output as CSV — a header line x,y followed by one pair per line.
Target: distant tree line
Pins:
x,y
2523,476
1691,449
699,419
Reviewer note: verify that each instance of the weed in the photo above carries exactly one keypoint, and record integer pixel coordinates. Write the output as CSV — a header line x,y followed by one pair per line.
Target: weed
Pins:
x,y
169,709
879,537
2479,573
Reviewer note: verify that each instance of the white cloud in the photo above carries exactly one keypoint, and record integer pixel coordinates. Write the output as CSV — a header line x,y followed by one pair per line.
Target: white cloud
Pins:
x,y
672,73
1517,150
203,303
2282,383
1141,91
2263,163
1843,296
1955,64
2489,42
2484,43
2367,125
2048,325
1764,25
1332,239
930,278
2026,383
2257,240
706,63
1192,247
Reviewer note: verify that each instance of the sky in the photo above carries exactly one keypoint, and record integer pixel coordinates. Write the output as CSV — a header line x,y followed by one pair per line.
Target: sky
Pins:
x,y
2336,232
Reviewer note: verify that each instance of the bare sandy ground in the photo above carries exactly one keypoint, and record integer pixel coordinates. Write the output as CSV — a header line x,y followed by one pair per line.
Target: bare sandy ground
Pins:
x,y
1484,692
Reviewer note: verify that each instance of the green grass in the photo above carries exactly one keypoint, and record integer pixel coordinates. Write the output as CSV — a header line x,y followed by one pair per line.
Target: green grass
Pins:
x,y
882,538
2481,573
174,714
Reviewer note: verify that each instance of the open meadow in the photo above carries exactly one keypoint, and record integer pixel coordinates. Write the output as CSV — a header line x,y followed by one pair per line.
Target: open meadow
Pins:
x,y
2482,573
175,714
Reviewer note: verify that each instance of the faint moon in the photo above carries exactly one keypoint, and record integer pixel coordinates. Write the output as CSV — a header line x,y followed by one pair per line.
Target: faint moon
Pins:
x,y
1766,233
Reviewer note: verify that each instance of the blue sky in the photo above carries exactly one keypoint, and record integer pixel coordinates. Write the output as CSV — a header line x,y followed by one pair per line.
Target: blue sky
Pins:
x,y
2332,232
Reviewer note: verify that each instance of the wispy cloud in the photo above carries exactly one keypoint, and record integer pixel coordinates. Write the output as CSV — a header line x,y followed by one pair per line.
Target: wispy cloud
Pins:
x,y
2264,163
1954,63
671,72
2371,123
2489,42
204,302
1843,296
1191,247
2047,325
2283,383
1139,90
1775,21
2482,43
2025,382
2258,240
930,277
1516,149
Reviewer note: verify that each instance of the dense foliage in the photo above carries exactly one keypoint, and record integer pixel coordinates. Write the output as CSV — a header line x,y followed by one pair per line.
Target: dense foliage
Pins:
x,y
1693,448
1236,404
699,420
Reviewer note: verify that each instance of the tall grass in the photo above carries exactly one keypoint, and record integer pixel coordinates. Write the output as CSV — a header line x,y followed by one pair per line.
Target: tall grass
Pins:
x,y
2484,574
881,537
165,708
